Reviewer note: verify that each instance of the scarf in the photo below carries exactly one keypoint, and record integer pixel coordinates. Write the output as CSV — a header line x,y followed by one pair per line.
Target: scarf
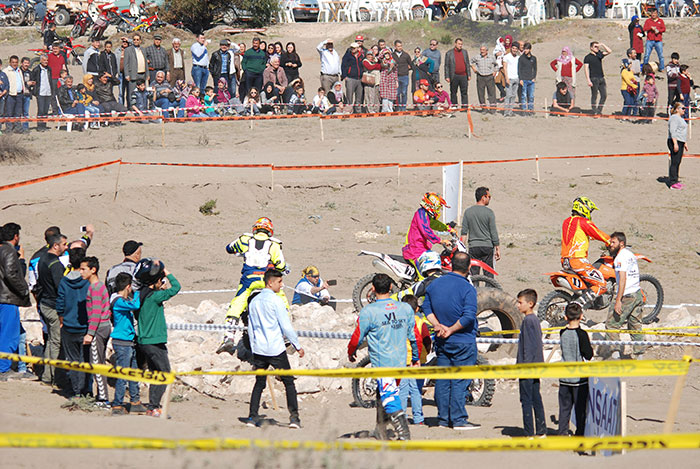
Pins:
x,y
90,88
563,60
222,95
338,94
508,41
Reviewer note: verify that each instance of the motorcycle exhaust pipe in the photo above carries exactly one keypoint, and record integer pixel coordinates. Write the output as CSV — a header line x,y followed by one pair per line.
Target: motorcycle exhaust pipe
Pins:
x,y
563,283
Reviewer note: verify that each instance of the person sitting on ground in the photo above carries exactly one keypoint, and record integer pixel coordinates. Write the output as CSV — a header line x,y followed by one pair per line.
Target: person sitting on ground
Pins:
x,y
321,104
105,96
251,103
561,101
298,104
423,98
193,105
85,99
227,104
269,99
337,98
68,99
311,288
209,108
442,98
649,95
182,91
140,100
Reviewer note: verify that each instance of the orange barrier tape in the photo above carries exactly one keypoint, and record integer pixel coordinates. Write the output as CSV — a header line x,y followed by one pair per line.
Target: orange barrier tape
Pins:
x,y
57,175
200,165
415,112
336,166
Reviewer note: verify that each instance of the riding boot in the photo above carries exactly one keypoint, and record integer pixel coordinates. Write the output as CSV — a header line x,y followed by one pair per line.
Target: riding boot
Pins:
x,y
382,419
400,423
586,299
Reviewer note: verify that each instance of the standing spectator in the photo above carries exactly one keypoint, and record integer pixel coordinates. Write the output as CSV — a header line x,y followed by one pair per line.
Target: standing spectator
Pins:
x,y
291,62
373,68
500,80
530,351
4,87
200,62
360,41
649,96
527,71
28,89
330,64
51,36
135,64
411,386
510,69
654,28
269,324
157,58
176,62
72,311
433,53
636,32
629,300
221,63
153,332
99,323
686,87
422,70
94,49
600,8
677,138
14,293
403,65
351,72
389,81
486,69
57,62
274,74
457,72
566,66
14,105
44,89
387,325
237,77
253,64
450,306
673,73
629,89
573,392
593,68
123,86
479,226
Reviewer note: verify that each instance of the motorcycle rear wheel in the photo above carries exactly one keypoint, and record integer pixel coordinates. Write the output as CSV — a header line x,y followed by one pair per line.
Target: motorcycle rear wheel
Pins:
x,y
362,293
653,297
16,17
76,31
552,307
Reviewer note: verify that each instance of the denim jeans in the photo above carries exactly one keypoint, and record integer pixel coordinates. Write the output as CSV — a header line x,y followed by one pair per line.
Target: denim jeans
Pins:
x,y
22,349
629,108
451,394
164,103
600,8
409,387
527,97
658,46
402,94
9,333
126,357
25,111
200,76
666,4
531,399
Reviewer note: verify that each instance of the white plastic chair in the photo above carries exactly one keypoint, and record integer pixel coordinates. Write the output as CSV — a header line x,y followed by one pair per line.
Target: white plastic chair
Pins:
x,y
627,8
354,8
395,8
378,9
346,12
286,15
405,7
535,13
324,11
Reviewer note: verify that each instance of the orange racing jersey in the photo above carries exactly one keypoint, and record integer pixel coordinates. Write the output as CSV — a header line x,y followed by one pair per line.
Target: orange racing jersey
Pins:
x,y
575,234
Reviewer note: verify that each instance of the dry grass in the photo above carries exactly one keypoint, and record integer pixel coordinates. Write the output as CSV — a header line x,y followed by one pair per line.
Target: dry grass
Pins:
x,y
14,149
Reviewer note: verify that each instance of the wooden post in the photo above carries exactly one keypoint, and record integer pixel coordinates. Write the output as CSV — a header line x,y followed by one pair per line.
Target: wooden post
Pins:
x,y
272,393
272,178
675,399
690,123
537,166
320,123
398,175
546,114
162,131
166,401
116,184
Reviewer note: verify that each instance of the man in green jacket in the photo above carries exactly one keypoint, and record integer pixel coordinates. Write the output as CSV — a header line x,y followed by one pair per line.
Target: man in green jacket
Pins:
x,y
153,332
253,64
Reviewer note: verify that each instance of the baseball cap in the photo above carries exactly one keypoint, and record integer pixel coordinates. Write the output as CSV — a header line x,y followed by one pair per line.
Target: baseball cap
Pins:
x,y
223,42
131,247
359,37
354,45
424,82
310,270
158,36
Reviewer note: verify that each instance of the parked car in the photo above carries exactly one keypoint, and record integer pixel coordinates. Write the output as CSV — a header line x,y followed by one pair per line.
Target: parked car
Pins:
x,y
305,10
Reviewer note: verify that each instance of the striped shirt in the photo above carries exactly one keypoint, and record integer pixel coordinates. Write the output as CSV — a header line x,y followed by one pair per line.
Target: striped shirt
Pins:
x,y
97,306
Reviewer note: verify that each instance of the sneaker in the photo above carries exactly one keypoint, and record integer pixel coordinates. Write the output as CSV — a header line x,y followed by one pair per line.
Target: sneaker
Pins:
x,y
466,426
137,408
154,413
9,375
118,410
677,186
252,422
295,423
103,405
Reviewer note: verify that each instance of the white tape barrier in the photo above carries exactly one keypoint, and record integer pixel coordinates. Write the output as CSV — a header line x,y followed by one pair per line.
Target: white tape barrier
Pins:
x,y
192,292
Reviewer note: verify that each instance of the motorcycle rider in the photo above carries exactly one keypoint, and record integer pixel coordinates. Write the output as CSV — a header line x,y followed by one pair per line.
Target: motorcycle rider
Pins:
x,y
421,237
430,268
260,252
576,232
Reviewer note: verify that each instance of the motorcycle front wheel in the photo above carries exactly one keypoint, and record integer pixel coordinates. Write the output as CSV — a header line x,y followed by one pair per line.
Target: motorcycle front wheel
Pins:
x,y
30,18
76,31
16,17
362,293
552,307
482,281
653,294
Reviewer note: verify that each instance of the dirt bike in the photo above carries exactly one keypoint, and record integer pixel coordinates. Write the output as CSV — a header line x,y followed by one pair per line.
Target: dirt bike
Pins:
x,y
150,23
571,286
26,10
48,19
67,48
81,24
11,15
480,392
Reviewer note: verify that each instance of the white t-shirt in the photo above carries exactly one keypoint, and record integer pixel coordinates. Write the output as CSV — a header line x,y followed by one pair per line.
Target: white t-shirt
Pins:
x,y
511,63
625,261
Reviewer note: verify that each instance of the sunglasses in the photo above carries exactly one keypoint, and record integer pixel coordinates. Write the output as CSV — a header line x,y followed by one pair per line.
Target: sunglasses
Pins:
x,y
438,87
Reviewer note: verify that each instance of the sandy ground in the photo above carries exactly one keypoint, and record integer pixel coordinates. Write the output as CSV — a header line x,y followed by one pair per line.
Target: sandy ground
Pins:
x,y
318,213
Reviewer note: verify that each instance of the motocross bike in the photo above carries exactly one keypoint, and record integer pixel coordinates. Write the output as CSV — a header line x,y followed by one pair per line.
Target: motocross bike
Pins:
x,y
48,19
570,287
480,392
26,10
10,15
67,48
150,23
81,24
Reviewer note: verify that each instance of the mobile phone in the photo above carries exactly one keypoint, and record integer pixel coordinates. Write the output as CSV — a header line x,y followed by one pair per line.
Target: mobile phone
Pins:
x,y
332,282
83,229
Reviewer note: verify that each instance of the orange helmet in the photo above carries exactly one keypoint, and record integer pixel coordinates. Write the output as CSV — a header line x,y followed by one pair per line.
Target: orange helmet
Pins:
x,y
433,204
263,224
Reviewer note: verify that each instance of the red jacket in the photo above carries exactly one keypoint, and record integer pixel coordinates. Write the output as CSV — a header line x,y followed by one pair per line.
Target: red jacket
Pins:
x,y
660,26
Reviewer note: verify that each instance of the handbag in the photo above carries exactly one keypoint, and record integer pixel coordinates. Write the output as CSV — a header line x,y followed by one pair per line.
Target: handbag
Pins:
x,y
368,79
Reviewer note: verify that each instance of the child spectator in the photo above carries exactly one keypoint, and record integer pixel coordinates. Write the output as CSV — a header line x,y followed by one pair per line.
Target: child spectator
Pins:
x,y
530,351
321,105
193,105
411,386
209,108
123,342
423,98
153,332
251,103
686,85
573,392
84,98
650,94
99,325
297,103
140,99
269,99
62,75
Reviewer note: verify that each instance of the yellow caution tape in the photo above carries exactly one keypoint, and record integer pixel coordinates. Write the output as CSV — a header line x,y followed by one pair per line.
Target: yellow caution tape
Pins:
x,y
611,331
130,374
617,368
555,443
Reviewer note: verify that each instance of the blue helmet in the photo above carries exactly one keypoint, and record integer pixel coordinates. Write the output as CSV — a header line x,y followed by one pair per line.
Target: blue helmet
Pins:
x,y
429,260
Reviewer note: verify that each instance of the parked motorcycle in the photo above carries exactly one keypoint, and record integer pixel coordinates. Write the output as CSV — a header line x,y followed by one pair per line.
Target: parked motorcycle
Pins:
x,y
81,24
67,48
150,23
10,15
26,11
48,19
571,286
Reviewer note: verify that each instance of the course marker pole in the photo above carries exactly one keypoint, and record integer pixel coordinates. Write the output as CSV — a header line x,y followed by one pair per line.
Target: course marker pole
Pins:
x,y
623,410
116,184
162,132
398,175
272,393
676,397
537,166
272,178
320,123
546,114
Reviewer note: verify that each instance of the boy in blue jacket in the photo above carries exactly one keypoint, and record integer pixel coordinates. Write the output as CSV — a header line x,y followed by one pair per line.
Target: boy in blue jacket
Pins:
x,y
124,343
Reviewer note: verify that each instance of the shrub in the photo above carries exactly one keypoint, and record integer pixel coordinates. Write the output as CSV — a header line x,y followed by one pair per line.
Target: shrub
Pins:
x,y
207,208
199,15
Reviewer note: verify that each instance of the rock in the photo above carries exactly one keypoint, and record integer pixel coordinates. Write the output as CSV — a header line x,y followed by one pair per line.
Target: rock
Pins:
x,y
681,318
308,384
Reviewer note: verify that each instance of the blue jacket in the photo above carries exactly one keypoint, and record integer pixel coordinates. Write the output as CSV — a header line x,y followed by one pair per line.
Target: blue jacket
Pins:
x,y
387,324
452,298
123,316
71,302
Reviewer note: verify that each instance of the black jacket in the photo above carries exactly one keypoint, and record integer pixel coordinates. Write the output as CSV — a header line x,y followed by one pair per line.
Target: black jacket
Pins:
x,y
108,63
36,77
13,288
351,66
50,271
215,62
64,98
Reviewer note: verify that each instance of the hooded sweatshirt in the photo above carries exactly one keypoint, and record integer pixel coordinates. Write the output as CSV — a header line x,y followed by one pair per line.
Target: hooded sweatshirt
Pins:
x,y
71,302
152,327
123,314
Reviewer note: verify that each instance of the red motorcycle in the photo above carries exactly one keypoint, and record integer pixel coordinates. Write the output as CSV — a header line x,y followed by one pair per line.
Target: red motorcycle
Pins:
x,y
48,19
150,23
67,49
81,24
11,15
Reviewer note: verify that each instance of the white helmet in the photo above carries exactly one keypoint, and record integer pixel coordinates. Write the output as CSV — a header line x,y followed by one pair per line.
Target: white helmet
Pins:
x,y
429,260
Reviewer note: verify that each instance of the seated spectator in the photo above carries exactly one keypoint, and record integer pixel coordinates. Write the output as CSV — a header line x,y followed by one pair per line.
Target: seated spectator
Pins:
x,y
562,101
649,96
321,105
68,98
193,105
85,99
140,100
251,103
182,91
442,97
227,104
338,99
209,108
423,98
269,99
164,96
104,95
298,104
312,289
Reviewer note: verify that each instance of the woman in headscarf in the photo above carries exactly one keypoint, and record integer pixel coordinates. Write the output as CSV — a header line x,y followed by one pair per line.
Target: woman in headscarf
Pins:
x,y
227,103
337,98
501,82
636,35
389,81
564,67
371,91
182,92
